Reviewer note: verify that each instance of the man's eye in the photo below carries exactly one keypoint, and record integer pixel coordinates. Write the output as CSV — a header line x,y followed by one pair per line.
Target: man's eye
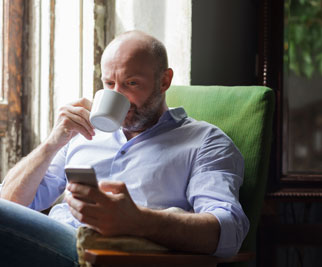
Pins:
x,y
132,83
109,84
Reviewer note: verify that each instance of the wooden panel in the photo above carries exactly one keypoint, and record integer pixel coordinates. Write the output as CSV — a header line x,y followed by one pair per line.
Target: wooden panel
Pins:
x,y
46,67
51,65
12,81
102,35
1,48
31,83
3,118
106,257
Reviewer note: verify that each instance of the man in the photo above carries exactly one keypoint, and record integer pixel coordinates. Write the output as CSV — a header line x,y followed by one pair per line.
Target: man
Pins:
x,y
160,158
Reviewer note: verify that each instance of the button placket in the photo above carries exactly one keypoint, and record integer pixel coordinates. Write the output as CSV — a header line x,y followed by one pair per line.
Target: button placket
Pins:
x,y
115,166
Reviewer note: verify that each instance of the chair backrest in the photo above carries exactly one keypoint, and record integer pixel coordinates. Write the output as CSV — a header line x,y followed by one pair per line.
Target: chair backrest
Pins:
x,y
245,114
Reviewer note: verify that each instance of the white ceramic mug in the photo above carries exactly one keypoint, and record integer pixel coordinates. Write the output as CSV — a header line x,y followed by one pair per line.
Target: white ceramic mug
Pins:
x,y
109,110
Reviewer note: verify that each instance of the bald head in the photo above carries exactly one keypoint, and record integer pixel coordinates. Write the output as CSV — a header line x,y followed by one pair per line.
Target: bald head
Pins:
x,y
141,45
135,64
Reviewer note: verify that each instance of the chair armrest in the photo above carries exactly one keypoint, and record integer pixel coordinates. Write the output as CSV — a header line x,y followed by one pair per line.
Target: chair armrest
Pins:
x,y
104,257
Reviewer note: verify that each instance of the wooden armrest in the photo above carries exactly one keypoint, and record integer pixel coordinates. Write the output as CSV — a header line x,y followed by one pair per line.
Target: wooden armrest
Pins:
x,y
102,257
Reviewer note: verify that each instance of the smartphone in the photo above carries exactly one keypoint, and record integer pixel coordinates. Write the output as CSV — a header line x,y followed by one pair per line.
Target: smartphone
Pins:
x,y
81,174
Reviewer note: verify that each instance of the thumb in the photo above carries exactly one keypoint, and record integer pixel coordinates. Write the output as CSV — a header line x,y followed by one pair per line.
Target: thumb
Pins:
x,y
116,187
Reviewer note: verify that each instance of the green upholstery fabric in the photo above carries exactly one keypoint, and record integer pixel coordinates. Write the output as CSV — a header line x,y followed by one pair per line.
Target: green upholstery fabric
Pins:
x,y
245,114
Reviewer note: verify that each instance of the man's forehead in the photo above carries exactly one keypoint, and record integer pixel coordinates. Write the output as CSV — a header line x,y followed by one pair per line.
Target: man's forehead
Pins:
x,y
127,67
128,49
128,57
125,73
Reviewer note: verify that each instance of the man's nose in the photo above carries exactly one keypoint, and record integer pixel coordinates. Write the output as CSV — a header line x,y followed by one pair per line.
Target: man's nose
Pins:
x,y
117,88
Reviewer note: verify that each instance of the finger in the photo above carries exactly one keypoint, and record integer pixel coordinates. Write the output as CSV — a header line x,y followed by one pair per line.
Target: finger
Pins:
x,y
81,206
72,128
83,217
84,198
116,187
79,116
87,192
83,112
82,102
77,188
86,213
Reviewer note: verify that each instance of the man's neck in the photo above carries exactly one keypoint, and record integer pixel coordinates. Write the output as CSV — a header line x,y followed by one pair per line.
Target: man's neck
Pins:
x,y
129,135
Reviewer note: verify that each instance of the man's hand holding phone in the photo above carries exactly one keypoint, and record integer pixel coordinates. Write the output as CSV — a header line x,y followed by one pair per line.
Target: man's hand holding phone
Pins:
x,y
107,208
82,175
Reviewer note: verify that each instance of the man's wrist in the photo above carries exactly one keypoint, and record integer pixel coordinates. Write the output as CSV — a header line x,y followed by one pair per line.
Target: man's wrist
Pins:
x,y
145,225
50,145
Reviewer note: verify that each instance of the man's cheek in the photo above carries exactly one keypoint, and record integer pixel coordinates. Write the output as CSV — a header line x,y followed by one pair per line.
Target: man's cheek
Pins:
x,y
129,115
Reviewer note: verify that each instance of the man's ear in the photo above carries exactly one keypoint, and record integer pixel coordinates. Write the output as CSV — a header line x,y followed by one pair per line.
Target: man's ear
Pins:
x,y
166,79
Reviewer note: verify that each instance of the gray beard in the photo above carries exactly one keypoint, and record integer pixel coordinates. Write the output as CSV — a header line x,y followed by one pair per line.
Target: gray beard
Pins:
x,y
147,115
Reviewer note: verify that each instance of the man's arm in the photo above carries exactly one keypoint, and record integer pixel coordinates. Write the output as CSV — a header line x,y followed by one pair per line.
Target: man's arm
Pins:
x,y
21,183
194,232
116,214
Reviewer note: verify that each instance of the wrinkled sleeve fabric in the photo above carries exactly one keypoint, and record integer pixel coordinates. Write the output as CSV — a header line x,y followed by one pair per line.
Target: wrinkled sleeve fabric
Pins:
x,y
216,177
53,184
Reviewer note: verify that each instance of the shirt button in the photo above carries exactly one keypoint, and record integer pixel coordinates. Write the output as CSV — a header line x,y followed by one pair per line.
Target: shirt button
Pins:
x,y
122,152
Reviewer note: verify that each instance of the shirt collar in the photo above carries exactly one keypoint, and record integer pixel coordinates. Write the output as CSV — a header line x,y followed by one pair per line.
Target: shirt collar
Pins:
x,y
177,114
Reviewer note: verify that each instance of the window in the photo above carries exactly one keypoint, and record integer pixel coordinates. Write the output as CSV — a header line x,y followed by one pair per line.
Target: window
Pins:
x,y
290,60
302,75
49,55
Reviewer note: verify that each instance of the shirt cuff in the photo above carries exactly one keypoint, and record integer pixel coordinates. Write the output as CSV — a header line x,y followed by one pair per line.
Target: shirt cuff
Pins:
x,y
228,244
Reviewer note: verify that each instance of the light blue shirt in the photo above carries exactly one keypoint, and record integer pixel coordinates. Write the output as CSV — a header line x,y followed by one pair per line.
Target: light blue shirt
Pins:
x,y
179,162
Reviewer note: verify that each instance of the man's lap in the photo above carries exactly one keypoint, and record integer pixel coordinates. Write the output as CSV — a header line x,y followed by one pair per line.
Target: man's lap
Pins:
x,y
30,238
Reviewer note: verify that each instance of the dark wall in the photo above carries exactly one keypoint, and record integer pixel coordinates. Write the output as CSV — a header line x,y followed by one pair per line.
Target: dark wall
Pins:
x,y
224,42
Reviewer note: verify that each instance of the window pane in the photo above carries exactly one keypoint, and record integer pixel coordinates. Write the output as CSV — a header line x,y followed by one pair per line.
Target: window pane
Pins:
x,y
303,86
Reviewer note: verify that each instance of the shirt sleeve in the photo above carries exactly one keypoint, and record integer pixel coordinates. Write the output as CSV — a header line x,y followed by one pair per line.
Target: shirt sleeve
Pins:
x,y
216,177
53,184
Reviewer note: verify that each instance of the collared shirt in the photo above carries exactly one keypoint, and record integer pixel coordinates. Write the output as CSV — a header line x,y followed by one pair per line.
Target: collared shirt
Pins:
x,y
179,162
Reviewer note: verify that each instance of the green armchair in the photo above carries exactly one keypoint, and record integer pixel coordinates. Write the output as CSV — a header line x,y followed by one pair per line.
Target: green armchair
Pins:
x,y
245,114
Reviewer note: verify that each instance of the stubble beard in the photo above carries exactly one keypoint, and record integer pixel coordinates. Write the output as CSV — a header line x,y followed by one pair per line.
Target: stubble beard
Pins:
x,y
147,115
